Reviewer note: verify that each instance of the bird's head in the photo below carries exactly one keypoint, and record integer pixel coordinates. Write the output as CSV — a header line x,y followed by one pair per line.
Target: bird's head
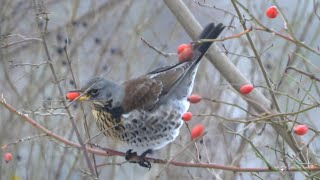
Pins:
x,y
102,93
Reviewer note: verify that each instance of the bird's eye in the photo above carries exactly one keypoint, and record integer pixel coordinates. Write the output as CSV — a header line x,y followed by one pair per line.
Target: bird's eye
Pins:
x,y
94,92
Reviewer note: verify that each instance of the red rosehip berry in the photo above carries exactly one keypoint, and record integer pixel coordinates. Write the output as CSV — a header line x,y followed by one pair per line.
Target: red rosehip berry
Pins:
x,y
194,98
186,54
7,157
72,95
181,47
197,131
246,89
272,12
187,116
301,129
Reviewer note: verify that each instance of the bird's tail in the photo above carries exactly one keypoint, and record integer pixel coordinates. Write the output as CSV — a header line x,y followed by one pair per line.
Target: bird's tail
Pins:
x,y
209,32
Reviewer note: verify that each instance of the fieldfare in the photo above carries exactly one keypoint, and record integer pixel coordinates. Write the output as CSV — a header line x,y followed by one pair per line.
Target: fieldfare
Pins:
x,y
144,113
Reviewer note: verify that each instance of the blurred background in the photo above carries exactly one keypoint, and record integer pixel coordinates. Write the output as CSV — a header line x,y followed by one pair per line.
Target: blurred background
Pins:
x,y
90,38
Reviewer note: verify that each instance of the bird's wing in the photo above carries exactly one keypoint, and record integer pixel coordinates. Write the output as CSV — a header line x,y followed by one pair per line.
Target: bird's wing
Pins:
x,y
171,76
141,93
146,91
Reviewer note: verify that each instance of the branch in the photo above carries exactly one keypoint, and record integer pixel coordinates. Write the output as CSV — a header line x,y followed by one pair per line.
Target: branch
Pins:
x,y
19,42
157,49
110,152
226,38
44,16
311,76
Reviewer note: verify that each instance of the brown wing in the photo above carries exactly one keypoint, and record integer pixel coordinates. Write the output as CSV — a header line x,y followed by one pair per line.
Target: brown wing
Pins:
x,y
146,91
141,93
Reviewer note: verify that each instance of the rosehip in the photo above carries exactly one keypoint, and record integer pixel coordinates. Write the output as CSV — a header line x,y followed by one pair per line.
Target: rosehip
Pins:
x,y
272,12
197,131
7,157
187,116
181,47
246,89
301,129
186,54
72,95
194,98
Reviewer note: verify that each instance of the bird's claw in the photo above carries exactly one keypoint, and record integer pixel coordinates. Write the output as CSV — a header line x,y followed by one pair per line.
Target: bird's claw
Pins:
x,y
130,154
144,163
141,161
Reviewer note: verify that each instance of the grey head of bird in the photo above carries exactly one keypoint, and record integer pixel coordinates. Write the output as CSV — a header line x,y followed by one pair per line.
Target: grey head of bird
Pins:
x,y
103,93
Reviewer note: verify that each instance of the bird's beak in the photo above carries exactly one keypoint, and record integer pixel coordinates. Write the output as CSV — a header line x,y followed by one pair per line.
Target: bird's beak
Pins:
x,y
77,95
84,97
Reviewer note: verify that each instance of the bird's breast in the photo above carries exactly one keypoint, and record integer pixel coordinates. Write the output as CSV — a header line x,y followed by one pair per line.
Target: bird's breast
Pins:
x,y
109,125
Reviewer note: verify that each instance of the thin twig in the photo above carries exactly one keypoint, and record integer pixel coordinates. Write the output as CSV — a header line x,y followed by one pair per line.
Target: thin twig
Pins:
x,y
157,50
74,126
226,38
81,106
266,29
215,7
311,76
19,42
3,147
177,154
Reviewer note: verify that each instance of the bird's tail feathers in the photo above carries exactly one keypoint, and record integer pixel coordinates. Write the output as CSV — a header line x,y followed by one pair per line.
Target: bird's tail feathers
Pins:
x,y
210,32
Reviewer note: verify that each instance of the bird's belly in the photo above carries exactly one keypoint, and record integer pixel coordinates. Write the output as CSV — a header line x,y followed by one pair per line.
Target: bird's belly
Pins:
x,y
141,130
153,130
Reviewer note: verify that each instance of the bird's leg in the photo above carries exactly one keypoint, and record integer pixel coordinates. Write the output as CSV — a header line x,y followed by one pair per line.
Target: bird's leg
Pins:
x,y
130,154
132,157
143,162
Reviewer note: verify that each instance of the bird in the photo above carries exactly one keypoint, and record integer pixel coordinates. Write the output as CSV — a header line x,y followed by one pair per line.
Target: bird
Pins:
x,y
144,113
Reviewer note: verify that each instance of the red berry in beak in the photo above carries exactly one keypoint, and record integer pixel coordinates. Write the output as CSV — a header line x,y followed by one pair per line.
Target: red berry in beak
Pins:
x,y
72,95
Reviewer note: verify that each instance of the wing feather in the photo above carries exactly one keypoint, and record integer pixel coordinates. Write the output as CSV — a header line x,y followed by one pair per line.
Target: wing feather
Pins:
x,y
141,93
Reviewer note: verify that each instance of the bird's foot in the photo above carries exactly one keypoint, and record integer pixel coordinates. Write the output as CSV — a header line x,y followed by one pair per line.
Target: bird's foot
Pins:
x,y
130,155
143,162
134,158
